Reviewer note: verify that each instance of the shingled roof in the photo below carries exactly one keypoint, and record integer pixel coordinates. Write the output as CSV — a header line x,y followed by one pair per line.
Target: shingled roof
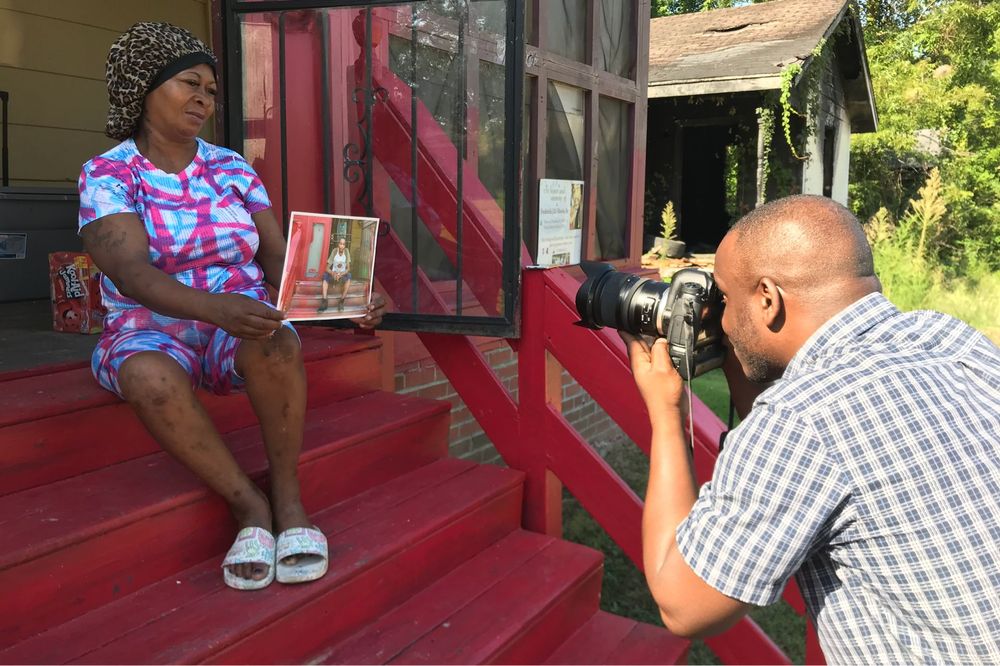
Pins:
x,y
745,48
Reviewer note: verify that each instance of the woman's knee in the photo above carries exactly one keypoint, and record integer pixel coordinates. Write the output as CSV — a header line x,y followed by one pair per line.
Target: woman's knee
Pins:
x,y
152,378
277,354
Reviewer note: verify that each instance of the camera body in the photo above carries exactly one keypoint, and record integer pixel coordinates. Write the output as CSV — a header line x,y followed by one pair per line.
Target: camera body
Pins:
x,y
687,312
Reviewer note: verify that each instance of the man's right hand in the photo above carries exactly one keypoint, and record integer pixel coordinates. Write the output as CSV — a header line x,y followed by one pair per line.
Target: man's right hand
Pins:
x,y
244,317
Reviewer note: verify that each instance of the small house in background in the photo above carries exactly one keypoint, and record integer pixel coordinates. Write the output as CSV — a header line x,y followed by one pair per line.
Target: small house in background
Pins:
x,y
717,144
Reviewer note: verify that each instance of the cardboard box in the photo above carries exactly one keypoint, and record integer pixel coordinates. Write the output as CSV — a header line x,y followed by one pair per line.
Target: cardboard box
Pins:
x,y
76,293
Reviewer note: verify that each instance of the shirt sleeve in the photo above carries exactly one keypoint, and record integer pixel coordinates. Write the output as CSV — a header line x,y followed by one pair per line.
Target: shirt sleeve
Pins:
x,y
771,499
106,187
255,197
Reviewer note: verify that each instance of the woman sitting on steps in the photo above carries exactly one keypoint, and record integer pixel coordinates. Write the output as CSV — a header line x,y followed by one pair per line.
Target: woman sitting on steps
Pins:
x,y
184,234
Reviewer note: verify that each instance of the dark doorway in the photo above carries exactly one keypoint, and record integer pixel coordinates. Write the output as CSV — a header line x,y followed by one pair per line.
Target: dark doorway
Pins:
x,y
703,216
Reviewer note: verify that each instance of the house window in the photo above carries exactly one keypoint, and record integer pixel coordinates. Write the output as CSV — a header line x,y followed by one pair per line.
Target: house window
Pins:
x,y
566,132
617,47
582,97
398,111
566,27
612,179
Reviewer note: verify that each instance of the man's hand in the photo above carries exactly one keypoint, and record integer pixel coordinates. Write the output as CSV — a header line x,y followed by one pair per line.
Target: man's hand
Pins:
x,y
376,309
245,317
660,385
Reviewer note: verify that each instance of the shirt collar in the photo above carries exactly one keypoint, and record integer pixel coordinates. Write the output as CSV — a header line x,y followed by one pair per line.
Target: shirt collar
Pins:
x,y
851,322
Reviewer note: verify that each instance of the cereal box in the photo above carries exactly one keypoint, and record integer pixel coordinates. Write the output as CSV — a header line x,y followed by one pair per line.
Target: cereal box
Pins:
x,y
76,293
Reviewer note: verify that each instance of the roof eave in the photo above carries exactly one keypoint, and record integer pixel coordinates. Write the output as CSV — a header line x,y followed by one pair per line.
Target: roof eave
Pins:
x,y
714,86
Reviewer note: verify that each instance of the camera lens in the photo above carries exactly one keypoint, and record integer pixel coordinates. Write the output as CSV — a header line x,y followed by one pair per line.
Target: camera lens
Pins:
x,y
622,301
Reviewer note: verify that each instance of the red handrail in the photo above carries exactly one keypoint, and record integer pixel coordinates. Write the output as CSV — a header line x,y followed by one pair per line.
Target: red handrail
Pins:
x,y
528,429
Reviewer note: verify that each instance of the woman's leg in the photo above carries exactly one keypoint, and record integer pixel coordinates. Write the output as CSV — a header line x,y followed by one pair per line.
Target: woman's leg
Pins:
x,y
276,383
343,291
159,390
326,287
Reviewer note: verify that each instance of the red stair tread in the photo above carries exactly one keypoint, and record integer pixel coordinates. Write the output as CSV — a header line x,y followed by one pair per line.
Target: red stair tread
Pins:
x,y
397,629
647,644
382,544
39,396
483,631
86,633
593,642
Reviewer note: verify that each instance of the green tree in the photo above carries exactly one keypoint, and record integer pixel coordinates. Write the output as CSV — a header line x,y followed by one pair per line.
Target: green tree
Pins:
x,y
936,81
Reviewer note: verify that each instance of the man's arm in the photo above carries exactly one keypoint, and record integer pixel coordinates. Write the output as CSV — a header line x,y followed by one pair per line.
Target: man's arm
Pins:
x,y
688,605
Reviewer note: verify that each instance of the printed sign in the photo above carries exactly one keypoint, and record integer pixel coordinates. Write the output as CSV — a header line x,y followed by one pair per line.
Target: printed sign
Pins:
x,y
560,222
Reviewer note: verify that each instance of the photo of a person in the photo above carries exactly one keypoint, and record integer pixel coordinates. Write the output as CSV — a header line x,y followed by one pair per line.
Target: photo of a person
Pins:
x,y
576,206
338,271
329,270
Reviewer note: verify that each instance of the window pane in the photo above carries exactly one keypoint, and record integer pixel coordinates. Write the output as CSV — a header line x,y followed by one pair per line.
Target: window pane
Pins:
x,y
489,16
565,140
565,24
617,52
492,127
612,179
399,150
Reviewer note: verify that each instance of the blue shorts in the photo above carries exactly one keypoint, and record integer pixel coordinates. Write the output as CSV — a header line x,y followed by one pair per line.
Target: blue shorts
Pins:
x,y
329,278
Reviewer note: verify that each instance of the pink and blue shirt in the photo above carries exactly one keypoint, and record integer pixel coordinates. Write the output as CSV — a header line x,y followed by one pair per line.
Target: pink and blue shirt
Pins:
x,y
198,221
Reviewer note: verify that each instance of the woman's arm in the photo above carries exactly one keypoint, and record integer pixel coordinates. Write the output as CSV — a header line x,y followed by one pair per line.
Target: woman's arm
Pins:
x,y
120,247
271,252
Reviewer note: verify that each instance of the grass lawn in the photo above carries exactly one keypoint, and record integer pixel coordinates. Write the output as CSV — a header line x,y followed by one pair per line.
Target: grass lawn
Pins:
x,y
625,592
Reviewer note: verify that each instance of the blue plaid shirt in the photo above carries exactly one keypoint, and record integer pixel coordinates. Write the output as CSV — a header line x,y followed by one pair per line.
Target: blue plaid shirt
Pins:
x,y
871,470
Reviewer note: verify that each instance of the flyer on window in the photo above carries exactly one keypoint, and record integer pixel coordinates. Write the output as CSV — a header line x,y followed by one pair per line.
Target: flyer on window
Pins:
x,y
560,222
329,266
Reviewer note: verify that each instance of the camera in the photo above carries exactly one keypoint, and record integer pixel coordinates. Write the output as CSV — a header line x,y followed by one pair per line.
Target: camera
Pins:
x,y
687,312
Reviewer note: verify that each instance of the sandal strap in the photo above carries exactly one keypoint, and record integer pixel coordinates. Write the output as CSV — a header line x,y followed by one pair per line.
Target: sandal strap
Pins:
x,y
301,541
252,544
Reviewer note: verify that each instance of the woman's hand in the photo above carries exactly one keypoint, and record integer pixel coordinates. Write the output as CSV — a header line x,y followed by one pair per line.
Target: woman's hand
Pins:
x,y
244,317
376,309
660,385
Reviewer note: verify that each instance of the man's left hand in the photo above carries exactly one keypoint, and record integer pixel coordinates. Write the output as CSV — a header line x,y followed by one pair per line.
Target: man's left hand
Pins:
x,y
660,385
376,310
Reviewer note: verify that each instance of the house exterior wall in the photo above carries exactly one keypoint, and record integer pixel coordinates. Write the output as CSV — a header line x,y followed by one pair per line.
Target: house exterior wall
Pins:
x,y
52,55
832,113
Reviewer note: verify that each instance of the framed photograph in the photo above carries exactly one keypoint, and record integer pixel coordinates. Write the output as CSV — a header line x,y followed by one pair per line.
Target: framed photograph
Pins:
x,y
329,266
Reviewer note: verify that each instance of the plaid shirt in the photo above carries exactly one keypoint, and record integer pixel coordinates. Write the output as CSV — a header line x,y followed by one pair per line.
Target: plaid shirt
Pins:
x,y
871,470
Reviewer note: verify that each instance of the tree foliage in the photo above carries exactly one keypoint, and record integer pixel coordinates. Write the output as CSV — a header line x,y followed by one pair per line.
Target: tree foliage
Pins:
x,y
935,67
936,78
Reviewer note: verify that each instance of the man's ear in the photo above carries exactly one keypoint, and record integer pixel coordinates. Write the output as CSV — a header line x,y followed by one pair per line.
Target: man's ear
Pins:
x,y
771,304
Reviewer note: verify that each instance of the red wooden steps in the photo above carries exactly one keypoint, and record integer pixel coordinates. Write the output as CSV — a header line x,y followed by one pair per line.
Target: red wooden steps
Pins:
x,y
385,543
610,639
522,596
112,551
76,544
56,425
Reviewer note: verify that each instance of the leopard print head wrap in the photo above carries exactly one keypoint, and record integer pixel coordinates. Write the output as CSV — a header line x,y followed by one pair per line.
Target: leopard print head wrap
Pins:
x,y
146,55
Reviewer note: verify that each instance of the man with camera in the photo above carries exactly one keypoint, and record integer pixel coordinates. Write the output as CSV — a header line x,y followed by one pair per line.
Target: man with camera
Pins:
x,y
868,465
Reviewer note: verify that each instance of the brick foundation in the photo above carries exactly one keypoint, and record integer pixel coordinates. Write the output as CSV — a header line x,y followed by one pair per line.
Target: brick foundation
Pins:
x,y
467,440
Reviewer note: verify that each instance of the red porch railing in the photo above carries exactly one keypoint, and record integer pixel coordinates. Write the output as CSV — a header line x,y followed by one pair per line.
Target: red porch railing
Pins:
x,y
528,430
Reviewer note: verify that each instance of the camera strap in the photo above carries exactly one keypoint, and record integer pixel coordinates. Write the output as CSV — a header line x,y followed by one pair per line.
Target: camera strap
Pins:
x,y
687,362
